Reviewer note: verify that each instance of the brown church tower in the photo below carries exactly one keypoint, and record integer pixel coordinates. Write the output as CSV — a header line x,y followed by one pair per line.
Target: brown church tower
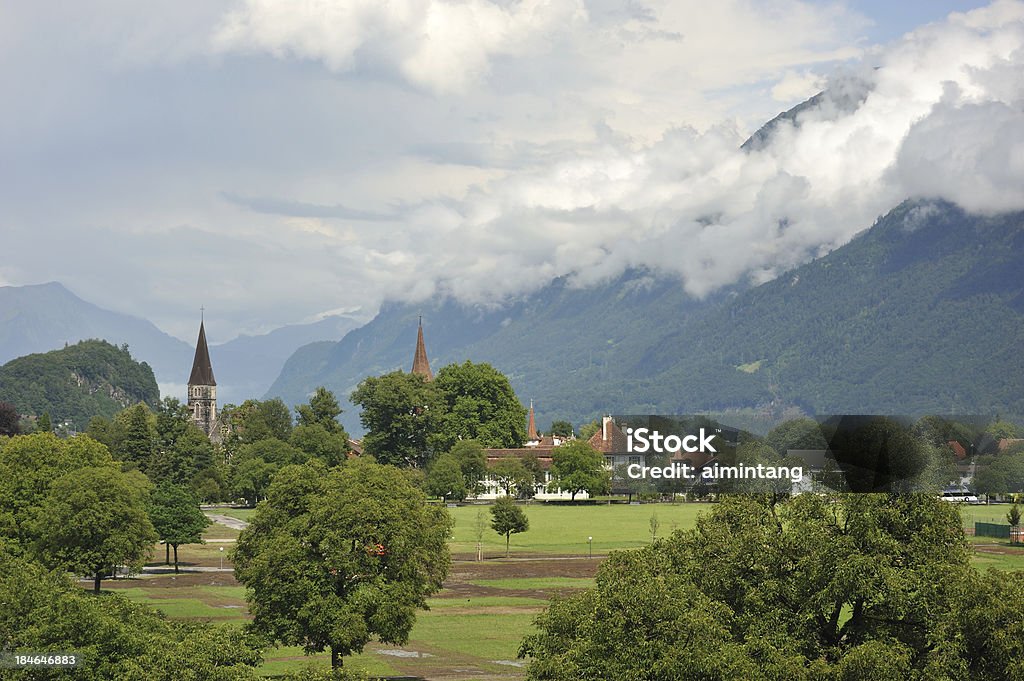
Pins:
x,y
420,364
202,387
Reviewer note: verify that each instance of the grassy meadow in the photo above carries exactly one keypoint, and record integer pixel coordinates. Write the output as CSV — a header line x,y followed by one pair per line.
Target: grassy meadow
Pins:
x,y
476,623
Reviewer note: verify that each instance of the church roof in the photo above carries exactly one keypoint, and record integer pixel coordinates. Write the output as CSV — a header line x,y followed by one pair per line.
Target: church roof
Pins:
x,y
531,430
420,364
202,369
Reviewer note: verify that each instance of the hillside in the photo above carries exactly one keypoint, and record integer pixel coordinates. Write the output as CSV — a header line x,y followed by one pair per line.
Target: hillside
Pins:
x,y
90,378
48,316
923,312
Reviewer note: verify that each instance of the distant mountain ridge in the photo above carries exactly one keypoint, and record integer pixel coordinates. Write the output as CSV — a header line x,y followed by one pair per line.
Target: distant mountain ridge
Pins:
x,y
42,317
923,312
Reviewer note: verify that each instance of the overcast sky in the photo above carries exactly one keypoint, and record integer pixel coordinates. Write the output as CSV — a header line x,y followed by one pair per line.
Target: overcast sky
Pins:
x,y
276,160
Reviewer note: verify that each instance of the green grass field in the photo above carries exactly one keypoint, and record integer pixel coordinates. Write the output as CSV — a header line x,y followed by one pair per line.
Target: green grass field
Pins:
x,y
478,621
563,530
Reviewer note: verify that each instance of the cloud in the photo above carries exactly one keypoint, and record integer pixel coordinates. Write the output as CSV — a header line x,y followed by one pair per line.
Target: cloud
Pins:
x,y
283,158
438,45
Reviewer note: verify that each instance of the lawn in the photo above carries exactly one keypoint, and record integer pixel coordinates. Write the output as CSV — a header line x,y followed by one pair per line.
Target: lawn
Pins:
x,y
475,625
564,529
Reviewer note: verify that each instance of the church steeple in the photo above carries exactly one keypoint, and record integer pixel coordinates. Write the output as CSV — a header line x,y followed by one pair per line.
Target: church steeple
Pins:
x,y
420,363
202,368
202,386
531,431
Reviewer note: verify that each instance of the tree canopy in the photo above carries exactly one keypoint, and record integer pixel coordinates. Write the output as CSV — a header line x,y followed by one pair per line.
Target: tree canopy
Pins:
x,y
94,519
842,587
577,467
334,557
176,516
402,414
120,641
480,405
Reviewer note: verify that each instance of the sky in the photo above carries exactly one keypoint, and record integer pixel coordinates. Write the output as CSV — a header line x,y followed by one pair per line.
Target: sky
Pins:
x,y
277,161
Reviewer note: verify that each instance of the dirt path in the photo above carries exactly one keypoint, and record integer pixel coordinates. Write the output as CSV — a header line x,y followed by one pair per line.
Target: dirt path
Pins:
x,y
227,521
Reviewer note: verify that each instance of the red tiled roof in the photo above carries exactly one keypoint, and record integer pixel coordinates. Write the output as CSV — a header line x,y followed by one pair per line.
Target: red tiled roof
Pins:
x,y
958,450
609,439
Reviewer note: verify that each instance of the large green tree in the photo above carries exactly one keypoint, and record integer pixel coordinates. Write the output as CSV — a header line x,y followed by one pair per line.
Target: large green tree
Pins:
x,y
29,464
334,557
176,516
444,479
577,467
481,405
94,519
402,414
847,587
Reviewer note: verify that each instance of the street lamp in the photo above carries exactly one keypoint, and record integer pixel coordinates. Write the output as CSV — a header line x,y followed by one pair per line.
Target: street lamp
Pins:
x,y
590,546
222,558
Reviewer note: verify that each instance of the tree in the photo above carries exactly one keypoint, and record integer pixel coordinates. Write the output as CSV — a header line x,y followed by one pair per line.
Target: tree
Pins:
x,y
9,420
480,405
479,526
654,524
250,479
577,467
43,424
508,519
473,464
94,519
316,441
334,557
120,640
814,587
136,430
29,464
512,476
401,414
561,428
444,479
587,430
176,517
322,410
256,420
1013,517
796,434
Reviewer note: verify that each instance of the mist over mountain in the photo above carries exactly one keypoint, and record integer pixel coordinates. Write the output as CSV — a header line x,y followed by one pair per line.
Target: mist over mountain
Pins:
x,y
923,312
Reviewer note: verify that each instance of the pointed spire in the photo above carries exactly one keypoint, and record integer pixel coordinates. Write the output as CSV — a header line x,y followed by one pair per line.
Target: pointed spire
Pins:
x,y
202,369
531,431
420,364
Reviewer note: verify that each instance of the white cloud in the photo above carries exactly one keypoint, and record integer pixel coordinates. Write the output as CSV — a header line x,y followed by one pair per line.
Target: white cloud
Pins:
x,y
279,158
438,45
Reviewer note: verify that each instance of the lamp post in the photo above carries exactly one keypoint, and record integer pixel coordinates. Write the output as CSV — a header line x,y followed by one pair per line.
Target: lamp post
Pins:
x,y
222,558
590,546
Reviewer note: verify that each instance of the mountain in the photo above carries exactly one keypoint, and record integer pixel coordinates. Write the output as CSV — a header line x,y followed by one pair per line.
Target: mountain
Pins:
x,y
247,365
48,316
549,343
45,317
90,378
923,312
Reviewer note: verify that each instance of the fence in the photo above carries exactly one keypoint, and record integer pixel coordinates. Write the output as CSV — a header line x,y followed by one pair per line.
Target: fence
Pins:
x,y
991,530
